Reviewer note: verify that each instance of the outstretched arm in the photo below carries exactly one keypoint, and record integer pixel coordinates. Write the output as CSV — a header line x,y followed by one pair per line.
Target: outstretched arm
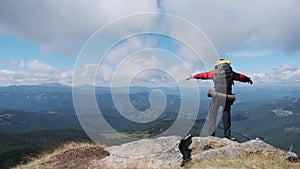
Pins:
x,y
242,78
203,75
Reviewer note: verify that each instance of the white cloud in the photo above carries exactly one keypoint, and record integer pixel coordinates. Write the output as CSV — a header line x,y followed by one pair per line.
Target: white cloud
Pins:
x,y
191,60
118,55
137,61
250,53
34,72
284,74
35,65
233,24
126,48
64,26
140,69
129,69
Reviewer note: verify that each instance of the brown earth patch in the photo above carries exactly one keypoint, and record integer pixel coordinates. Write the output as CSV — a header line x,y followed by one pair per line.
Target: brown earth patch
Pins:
x,y
78,158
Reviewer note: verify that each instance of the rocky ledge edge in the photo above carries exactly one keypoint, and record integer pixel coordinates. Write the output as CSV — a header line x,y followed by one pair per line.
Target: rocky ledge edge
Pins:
x,y
163,152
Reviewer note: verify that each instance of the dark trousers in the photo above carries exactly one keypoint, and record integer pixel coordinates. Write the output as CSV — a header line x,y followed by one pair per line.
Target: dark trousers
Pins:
x,y
213,112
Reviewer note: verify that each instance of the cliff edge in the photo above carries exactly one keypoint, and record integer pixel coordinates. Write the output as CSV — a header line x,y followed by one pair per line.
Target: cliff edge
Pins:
x,y
163,152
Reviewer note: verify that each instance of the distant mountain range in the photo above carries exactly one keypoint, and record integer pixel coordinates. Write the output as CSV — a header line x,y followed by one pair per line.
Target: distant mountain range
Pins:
x,y
271,113
58,98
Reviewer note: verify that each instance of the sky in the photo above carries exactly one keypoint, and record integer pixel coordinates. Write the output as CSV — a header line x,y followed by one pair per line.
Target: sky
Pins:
x,y
48,41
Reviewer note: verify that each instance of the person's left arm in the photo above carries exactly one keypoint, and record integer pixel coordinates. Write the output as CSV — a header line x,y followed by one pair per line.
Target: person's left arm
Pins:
x,y
242,78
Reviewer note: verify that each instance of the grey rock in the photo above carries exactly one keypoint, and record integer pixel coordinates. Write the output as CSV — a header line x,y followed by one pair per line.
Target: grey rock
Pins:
x,y
163,152
233,149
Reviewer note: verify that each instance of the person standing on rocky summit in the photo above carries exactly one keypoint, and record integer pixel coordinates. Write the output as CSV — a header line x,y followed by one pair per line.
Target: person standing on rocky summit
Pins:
x,y
223,77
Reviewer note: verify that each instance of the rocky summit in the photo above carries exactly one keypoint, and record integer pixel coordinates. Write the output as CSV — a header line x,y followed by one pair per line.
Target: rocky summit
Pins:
x,y
163,152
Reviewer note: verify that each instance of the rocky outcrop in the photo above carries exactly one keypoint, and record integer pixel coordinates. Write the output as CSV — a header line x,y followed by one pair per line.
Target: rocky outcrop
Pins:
x,y
224,148
156,153
163,152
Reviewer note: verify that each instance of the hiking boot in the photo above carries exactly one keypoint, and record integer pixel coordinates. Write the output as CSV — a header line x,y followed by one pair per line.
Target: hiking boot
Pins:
x,y
232,139
184,162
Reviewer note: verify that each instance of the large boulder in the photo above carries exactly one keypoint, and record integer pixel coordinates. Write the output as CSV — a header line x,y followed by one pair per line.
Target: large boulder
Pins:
x,y
163,152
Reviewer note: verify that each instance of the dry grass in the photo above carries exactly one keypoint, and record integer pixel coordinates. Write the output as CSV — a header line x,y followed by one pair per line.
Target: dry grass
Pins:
x,y
251,161
71,155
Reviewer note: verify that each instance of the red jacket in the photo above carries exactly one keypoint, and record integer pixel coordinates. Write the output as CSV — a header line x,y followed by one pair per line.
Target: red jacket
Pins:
x,y
210,75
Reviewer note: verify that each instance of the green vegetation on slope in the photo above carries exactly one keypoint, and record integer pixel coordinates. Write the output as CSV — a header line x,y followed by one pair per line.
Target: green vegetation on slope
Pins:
x,y
14,147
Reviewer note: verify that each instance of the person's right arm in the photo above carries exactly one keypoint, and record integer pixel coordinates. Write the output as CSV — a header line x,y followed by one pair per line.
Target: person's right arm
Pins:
x,y
203,75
